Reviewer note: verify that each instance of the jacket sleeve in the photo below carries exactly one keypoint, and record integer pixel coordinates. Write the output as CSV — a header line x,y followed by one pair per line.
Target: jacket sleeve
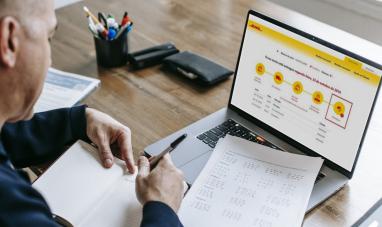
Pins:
x,y
44,137
158,214
21,205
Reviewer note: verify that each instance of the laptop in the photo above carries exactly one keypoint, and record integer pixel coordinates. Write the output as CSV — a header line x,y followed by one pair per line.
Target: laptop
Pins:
x,y
300,86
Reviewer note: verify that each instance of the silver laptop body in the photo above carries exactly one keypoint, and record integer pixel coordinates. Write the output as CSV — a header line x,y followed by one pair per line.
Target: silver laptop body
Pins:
x,y
193,153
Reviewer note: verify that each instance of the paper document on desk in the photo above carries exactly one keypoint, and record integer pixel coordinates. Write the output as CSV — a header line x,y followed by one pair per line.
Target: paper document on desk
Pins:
x,y
62,89
247,184
84,193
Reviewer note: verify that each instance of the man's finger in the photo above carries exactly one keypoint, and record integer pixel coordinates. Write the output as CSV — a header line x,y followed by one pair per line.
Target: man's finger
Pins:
x,y
143,167
124,142
151,158
166,162
104,150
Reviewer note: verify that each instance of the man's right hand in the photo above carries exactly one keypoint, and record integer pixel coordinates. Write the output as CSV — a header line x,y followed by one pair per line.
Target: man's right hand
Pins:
x,y
164,183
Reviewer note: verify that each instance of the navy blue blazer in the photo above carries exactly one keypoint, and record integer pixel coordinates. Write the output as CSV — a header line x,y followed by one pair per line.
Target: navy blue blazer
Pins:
x,y
35,142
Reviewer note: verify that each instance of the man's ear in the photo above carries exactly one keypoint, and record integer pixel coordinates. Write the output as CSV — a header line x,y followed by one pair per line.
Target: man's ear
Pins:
x,y
10,30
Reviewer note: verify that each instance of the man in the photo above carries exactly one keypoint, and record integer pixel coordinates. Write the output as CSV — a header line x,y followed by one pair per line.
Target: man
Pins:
x,y
26,27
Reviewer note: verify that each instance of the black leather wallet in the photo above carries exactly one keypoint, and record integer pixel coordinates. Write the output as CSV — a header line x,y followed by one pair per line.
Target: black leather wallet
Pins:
x,y
151,56
197,68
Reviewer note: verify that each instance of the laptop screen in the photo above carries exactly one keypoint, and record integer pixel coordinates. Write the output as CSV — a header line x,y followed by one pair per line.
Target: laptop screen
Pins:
x,y
314,95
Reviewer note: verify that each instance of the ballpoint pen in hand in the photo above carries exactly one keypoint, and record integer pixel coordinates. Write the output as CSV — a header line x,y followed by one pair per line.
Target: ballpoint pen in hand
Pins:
x,y
172,146
61,221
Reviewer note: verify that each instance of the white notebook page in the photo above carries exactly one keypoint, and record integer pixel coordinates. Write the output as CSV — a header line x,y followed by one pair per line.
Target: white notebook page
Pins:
x,y
77,186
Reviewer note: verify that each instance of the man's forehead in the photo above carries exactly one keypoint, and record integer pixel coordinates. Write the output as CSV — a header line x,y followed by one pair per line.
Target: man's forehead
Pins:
x,y
48,15
53,24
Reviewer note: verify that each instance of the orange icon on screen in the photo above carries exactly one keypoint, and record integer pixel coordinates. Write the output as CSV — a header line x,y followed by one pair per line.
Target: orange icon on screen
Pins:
x,y
339,108
297,87
317,97
278,78
260,69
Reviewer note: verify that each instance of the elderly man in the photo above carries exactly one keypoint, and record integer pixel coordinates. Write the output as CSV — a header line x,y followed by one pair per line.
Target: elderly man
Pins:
x,y
26,27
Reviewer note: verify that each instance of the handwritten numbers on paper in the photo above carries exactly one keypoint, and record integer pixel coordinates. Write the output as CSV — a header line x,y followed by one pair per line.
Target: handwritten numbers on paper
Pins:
x,y
206,193
278,201
273,171
245,192
220,171
214,182
244,185
269,211
287,189
259,222
265,183
242,178
229,158
251,165
231,215
296,177
200,205
236,201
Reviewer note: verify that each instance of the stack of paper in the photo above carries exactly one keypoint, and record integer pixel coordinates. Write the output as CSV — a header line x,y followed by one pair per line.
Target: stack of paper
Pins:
x,y
62,89
247,184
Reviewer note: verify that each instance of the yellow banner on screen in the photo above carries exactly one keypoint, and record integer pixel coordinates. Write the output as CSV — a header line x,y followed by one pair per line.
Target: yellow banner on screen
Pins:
x,y
349,65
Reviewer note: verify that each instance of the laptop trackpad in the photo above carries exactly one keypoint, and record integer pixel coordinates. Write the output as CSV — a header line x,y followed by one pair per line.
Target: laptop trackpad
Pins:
x,y
192,168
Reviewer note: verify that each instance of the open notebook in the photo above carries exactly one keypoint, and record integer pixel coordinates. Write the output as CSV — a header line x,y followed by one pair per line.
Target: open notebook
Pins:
x,y
83,192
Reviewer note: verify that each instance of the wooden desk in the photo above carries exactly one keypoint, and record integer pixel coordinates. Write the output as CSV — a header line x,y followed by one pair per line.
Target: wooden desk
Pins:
x,y
154,104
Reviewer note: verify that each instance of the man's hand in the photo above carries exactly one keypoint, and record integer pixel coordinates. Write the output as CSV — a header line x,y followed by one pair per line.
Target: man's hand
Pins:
x,y
164,183
104,131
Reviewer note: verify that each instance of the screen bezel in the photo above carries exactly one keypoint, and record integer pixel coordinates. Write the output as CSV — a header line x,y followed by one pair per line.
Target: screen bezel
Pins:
x,y
281,135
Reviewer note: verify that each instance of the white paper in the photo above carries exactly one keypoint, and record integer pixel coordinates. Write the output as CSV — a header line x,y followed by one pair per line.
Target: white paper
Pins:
x,y
247,184
62,89
119,207
83,192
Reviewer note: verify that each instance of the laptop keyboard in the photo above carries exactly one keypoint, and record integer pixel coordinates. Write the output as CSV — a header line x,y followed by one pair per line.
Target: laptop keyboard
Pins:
x,y
233,128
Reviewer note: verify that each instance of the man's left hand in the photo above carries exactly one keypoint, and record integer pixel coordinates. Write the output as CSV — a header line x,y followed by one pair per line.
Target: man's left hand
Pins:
x,y
103,130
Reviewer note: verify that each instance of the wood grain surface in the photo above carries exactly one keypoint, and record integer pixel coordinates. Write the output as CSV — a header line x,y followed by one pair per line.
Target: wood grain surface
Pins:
x,y
155,103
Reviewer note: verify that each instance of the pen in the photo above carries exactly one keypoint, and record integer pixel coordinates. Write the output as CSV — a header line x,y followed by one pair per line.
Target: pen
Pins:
x,y
93,30
112,33
172,146
92,26
61,221
111,23
101,29
123,29
102,18
88,13
125,19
